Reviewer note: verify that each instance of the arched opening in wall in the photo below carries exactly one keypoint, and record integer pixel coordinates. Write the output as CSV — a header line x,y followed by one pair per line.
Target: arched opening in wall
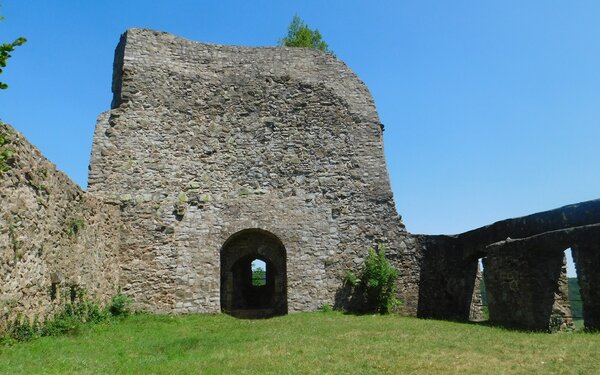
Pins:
x,y
253,275
479,311
574,292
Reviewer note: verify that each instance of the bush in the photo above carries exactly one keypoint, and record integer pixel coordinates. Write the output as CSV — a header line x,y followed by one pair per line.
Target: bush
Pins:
x,y
73,316
70,319
377,281
119,305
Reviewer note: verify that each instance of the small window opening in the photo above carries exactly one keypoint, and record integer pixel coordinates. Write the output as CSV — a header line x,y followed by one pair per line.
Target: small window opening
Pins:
x,y
259,273
73,293
53,291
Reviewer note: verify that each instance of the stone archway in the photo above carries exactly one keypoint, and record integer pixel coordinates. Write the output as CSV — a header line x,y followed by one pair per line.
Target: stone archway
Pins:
x,y
239,297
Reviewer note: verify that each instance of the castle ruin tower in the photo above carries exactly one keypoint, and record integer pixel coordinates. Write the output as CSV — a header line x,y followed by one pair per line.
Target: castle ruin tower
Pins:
x,y
221,155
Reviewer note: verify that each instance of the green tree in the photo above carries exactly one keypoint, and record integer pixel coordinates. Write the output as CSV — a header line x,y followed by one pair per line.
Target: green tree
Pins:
x,y
300,35
259,277
5,50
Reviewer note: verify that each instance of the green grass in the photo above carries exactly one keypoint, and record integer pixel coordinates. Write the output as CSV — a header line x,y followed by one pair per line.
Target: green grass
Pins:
x,y
304,343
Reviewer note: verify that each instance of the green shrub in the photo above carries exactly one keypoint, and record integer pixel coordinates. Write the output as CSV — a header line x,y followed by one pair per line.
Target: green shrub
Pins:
x,y
351,279
377,281
74,226
6,153
23,330
119,305
70,319
73,316
326,308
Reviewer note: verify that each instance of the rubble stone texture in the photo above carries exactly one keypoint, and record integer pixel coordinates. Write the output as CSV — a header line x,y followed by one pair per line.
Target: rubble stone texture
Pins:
x,y
204,141
53,236
214,156
524,269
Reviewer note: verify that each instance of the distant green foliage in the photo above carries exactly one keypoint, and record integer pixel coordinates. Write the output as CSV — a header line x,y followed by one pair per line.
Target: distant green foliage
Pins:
x,y
575,298
259,277
5,50
377,281
300,35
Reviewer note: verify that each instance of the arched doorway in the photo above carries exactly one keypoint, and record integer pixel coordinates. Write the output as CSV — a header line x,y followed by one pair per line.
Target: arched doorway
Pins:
x,y
240,296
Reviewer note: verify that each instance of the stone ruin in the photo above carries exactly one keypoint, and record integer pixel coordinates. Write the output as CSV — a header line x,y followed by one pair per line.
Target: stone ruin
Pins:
x,y
214,156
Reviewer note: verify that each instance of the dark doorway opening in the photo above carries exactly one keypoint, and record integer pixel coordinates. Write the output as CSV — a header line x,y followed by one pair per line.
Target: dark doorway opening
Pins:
x,y
247,289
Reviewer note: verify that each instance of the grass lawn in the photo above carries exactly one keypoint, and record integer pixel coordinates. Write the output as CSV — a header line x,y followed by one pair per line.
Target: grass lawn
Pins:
x,y
303,343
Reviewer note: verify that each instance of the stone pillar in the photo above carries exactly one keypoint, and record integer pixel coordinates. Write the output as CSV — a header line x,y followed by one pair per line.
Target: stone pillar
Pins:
x,y
526,288
447,280
476,312
587,261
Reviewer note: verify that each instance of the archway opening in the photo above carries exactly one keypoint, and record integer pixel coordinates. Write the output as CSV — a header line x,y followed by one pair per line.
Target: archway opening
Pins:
x,y
574,292
479,311
253,275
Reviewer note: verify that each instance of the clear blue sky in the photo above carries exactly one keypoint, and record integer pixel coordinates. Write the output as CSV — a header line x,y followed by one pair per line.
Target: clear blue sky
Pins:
x,y
491,108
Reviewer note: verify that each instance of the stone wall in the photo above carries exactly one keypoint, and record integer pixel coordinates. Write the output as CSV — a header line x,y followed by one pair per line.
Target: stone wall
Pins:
x,y
528,289
524,269
587,261
53,237
204,141
448,279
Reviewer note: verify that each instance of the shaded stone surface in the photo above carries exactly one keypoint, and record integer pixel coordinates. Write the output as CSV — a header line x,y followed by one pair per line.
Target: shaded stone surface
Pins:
x,y
586,255
524,269
448,279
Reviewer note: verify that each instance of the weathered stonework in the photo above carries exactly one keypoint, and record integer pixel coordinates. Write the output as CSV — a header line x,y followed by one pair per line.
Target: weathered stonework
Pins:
x,y
213,156
204,141
53,236
524,269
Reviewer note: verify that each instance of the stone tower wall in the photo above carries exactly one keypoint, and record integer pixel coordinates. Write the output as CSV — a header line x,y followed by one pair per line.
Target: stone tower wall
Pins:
x,y
205,140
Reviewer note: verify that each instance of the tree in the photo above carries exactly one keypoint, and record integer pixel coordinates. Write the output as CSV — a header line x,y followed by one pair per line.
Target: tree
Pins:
x,y
300,35
259,277
5,50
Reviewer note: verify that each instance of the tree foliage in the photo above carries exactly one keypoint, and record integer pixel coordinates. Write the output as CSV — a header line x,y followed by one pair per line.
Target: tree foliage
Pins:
x,y
5,50
259,277
300,35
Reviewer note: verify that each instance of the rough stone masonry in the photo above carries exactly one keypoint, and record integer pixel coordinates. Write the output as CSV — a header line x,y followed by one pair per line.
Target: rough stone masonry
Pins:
x,y
207,142
215,156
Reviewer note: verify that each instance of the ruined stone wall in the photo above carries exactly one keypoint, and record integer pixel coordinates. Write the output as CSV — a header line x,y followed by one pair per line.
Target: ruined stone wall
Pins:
x,y
524,269
205,140
52,235
528,289
448,282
